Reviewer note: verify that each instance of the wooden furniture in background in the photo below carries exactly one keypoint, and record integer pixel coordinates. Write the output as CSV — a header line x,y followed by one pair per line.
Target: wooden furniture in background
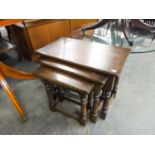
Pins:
x,y
33,34
13,73
5,45
6,22
8,71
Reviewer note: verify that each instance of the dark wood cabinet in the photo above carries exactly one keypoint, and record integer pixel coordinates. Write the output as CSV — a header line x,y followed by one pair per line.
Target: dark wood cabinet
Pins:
x,y
33,34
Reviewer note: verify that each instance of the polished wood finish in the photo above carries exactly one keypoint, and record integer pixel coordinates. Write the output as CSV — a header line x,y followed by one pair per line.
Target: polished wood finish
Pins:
x,y
92,61
74,70
96,104
43,34
11,96
6,22
98,78
108,94
34,34
94,56
8,71
66,81
62,79
13,73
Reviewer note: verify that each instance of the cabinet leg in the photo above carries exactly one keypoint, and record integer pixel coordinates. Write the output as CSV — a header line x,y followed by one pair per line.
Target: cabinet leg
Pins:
x,y
12,97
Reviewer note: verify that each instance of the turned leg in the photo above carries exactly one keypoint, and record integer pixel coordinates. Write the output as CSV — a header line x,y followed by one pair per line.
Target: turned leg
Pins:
x,y
51,93
107,95
90,100
12,97
61,93
95,110
114,92
83,117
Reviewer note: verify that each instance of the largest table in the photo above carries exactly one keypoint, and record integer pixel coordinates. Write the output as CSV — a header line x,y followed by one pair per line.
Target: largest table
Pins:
x,y
99,58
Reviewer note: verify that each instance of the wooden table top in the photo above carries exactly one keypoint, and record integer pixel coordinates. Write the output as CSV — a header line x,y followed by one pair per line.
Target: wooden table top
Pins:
x,y
74,70
65,80
90,55
6,22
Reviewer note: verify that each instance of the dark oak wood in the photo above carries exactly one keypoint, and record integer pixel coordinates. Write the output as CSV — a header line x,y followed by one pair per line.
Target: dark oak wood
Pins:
x,y
66,53
64,79
108,94
92,61
96,104
97,78
74,70
94,56
52,95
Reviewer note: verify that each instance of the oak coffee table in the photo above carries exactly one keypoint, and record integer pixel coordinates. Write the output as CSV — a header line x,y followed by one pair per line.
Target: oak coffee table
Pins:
x,y
72,55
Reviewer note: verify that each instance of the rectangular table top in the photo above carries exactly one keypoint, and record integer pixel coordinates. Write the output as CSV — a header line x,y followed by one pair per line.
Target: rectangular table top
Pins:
x,y
90,55
74,70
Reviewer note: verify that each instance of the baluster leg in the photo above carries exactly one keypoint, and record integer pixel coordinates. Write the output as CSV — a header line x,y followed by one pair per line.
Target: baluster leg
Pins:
x,y
51,93
90,100
84,101
107,95
95,109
